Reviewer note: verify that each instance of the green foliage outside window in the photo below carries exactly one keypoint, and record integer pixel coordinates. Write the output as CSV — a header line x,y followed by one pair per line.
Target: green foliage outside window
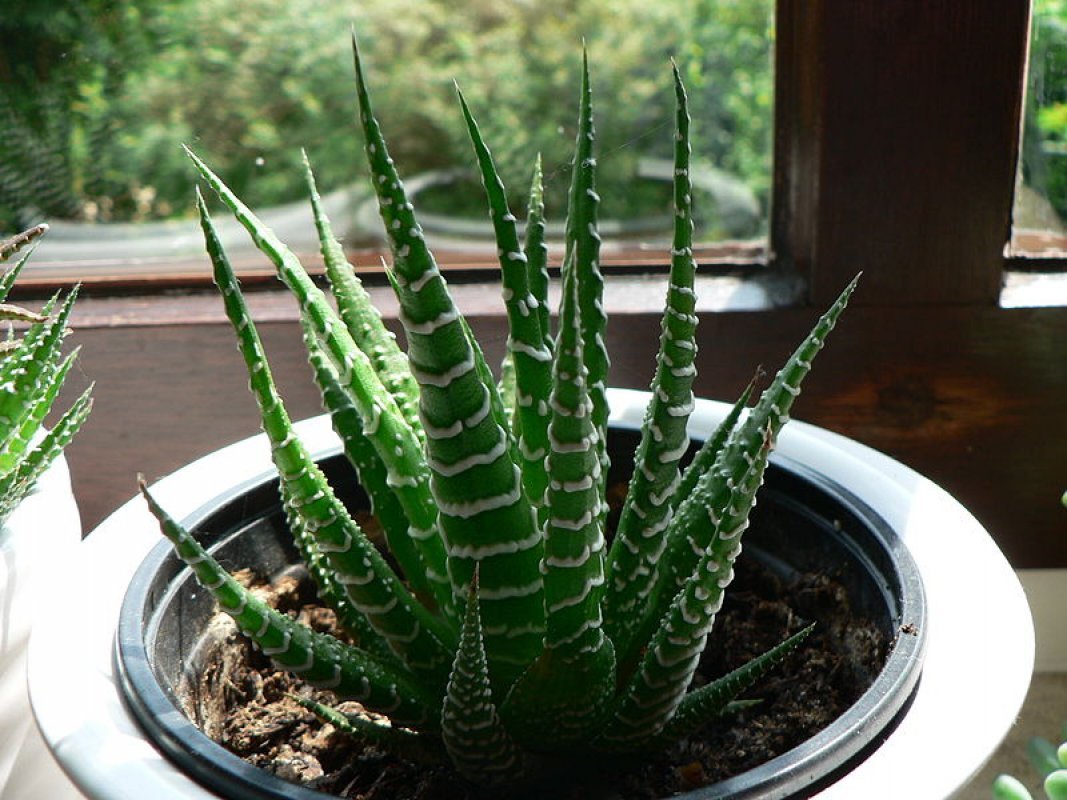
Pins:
x,y
97,119
1044,148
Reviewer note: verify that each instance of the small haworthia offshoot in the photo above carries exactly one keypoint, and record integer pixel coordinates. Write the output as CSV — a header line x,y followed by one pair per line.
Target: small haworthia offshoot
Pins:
x,y
33,369
504,626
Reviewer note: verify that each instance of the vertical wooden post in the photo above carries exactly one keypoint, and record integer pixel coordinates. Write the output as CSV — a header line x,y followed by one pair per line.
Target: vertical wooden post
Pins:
x,y
897,143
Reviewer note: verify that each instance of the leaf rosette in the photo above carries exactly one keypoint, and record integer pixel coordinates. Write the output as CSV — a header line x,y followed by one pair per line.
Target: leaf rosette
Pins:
x,y
509,627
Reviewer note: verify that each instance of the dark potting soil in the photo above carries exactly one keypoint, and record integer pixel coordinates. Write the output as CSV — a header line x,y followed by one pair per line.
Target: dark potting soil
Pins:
x,y
245,705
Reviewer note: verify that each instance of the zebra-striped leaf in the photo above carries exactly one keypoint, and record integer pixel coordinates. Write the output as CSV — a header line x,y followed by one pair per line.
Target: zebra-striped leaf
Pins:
x,y
485,515
413,633
363,320
702,512
476,741
583,257
317,658
567,690
717,697
395,442
641,534
671,658
530,358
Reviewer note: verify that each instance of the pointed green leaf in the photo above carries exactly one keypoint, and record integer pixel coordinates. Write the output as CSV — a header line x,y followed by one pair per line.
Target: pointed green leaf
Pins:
x,y
28,369
393,439
371,585
716,697
402,741
39,403
583,257
485,516
640,537
11,246
703,510
363,320
17,483
709,451
670,660
537,252
526,339
373,474
330,590
574,533
481,750
317,658
566,691
7,280
629,634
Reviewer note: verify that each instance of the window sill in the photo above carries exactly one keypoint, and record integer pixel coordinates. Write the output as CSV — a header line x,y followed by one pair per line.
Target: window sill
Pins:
x,y
624,294
1034,290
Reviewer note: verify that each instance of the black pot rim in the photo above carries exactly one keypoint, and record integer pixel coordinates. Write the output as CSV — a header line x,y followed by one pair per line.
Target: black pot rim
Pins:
x,y
811,765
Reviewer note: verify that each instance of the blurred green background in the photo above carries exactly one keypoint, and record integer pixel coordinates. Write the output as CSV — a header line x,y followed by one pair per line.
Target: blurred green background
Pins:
x,y
97,95
1042,200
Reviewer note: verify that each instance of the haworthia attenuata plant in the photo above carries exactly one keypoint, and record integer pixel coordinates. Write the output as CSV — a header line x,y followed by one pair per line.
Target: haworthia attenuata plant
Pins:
x,y
507,631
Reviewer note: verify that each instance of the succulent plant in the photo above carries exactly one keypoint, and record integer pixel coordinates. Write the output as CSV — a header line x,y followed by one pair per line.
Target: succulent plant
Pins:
x,y
510,627
1049,761
32,371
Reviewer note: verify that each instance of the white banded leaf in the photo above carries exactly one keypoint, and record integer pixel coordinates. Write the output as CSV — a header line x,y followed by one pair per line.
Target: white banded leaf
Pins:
x,y
18,482
26,370
393,439
372,472
363,320
564,694
477,743
670,660
485,516
530,358
536,250
717,696
373,588
640,537
583,257
418,747
317,658
690,532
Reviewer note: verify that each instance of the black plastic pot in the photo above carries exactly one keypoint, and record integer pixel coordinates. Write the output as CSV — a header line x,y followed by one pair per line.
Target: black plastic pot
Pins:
x,y
817,526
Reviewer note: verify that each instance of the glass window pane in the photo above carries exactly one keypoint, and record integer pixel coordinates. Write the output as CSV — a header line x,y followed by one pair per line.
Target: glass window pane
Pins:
x,y
96,97
1040,210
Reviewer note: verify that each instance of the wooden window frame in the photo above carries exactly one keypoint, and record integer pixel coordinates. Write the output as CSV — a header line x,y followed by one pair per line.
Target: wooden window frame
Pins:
x,y
897,134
